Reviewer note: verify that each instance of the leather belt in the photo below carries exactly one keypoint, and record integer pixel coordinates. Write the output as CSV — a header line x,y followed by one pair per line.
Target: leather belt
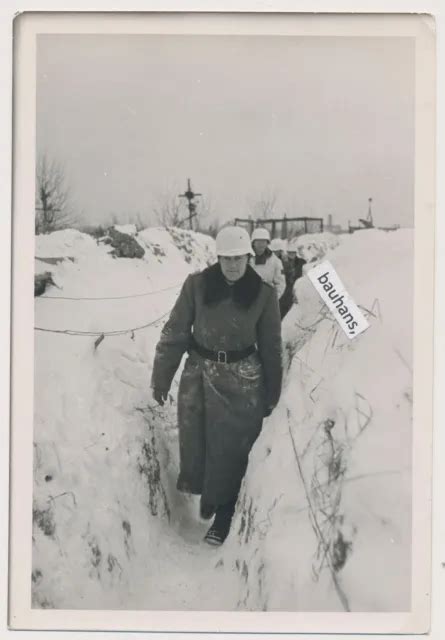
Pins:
x,y
222,357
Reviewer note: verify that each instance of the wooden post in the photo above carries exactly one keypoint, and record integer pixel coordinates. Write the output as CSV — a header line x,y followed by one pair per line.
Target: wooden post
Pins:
x,y
190,196
370,212
284,228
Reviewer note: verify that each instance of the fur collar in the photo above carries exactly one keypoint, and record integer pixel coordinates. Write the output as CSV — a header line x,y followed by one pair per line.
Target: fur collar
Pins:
x,y
245,290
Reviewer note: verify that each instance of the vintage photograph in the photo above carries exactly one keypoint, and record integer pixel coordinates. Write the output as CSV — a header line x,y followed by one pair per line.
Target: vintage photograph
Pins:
x,y
224,286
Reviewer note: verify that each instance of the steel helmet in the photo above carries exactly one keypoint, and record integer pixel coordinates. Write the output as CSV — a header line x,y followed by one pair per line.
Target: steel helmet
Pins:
x,y
277,244
260,233
233,241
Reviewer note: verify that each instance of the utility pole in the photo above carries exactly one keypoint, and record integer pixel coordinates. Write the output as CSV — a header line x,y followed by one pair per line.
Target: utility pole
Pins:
x,y
284,228
190,196
370,220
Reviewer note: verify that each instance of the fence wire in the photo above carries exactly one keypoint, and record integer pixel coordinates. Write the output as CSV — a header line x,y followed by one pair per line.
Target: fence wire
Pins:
x,y
135,295
118,332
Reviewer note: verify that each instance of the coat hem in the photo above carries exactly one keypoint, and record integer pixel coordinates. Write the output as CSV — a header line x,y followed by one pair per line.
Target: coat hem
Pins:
x,y
184,487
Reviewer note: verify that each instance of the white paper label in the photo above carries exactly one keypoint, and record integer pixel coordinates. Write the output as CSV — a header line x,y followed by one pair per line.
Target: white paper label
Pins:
x,y
334,295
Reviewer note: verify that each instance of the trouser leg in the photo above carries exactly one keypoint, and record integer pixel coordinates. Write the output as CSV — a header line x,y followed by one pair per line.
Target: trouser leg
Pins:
x,y
234,414
224,512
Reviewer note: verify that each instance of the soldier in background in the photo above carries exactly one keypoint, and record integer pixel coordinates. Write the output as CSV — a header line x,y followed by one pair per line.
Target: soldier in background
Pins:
x,y
293,269
265,263
278,248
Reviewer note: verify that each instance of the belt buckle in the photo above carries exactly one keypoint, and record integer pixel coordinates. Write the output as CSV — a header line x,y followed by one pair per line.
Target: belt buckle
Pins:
x,y
222,357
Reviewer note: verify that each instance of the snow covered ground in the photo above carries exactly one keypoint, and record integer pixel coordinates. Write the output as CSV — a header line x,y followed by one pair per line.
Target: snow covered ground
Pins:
x,y
323,521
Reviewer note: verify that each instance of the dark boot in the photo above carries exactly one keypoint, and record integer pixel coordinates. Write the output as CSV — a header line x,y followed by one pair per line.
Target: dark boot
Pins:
x,y
220,528
206,510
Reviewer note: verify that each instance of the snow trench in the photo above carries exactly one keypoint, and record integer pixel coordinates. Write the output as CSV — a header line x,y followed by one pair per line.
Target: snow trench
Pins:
x,y
323,521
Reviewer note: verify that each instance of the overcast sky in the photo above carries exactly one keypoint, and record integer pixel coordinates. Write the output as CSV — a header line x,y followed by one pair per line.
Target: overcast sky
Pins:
x,y
323,122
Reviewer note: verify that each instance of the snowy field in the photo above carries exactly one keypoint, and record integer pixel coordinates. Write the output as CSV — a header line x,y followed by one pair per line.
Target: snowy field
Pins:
x,y
323,522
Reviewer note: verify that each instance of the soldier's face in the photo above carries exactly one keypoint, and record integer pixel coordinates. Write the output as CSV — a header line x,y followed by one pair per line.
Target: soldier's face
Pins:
x,y
233,267
259,246
291,254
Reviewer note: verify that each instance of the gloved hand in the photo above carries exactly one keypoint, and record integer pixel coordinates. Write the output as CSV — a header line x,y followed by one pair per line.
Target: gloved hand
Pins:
x,y
160,395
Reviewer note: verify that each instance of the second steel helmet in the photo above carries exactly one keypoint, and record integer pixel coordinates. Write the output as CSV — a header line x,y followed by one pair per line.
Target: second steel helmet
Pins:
x,y
260,233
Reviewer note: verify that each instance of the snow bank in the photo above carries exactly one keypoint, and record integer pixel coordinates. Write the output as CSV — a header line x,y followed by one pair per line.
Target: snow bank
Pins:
x,y
105,509
192,247
66,243
129,292
129,229
324,520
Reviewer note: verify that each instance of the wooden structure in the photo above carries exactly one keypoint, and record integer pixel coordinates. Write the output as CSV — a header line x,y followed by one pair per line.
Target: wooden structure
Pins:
x,y
368,222
282,227
191,205
364,223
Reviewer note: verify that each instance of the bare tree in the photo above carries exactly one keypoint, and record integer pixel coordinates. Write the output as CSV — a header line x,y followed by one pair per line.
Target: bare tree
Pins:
x,y
211,228
263,206
53,203
169,211
114,219
140,221
207,220
204,211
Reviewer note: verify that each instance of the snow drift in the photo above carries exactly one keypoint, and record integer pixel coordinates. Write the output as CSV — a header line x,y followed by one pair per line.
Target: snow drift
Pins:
x,y
324,516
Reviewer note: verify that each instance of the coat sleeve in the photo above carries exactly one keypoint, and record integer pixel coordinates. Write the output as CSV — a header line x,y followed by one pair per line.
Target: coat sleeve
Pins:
x,y
269,347
175,338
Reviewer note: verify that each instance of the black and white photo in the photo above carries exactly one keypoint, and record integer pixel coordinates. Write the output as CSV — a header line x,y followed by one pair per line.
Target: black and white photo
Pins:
x,y
228,341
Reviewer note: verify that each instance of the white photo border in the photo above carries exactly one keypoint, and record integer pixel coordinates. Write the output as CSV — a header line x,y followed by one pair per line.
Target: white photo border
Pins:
x,y
28,26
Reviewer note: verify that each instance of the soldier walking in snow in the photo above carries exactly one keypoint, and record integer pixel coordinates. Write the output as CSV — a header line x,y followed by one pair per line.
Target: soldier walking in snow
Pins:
x,y
228,320
265,263
278,248
293,269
